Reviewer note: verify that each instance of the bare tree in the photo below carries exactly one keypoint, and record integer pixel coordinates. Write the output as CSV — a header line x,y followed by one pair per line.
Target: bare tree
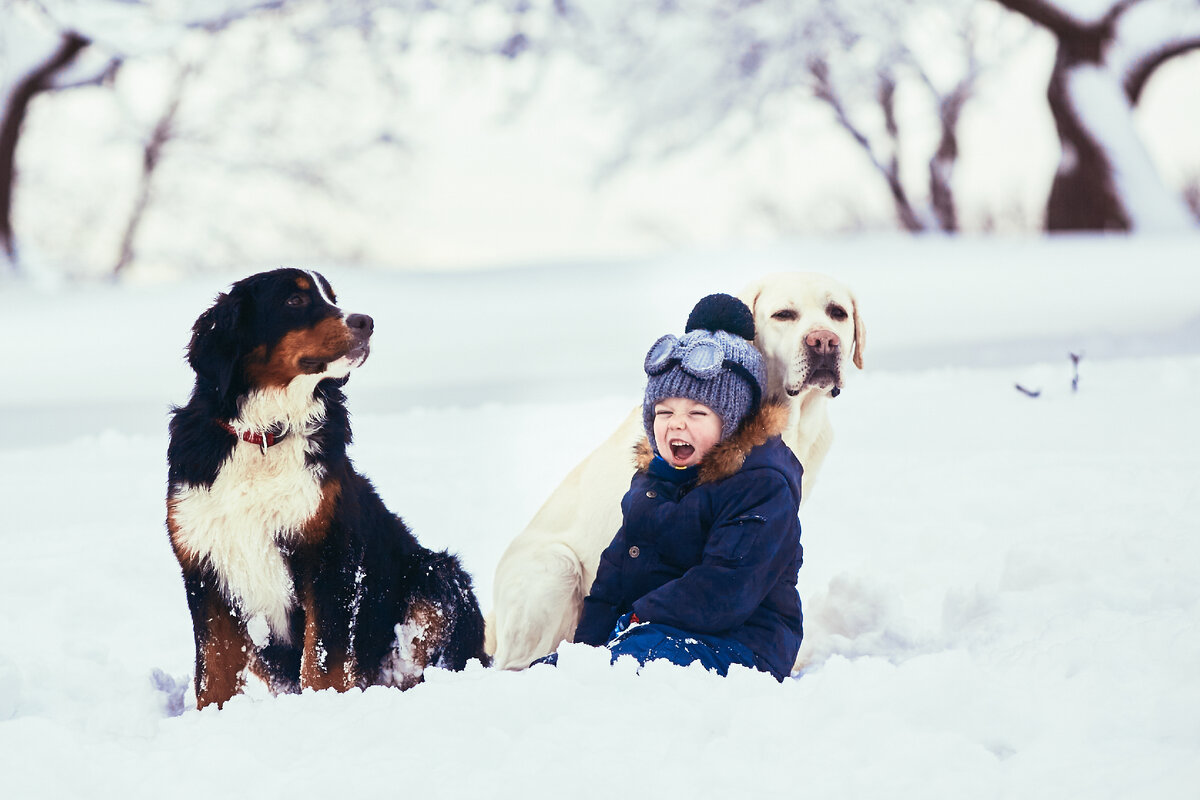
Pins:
x,y
46,68
46,43
1105,179
681,70
857,57
152,153
894,60
283,129
888,166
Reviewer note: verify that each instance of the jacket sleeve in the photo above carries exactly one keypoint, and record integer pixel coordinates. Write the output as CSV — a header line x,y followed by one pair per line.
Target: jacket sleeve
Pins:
x,y
752,541
603,606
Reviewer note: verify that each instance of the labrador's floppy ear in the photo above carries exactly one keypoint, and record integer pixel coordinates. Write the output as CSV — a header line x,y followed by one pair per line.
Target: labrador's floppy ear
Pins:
x,y
215,348
860,333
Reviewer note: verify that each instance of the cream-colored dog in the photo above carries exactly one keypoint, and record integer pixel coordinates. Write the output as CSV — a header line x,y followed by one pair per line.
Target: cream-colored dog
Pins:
x,y
807,327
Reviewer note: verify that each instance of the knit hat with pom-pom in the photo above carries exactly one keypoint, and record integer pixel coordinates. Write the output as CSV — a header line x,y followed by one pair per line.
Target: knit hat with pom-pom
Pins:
x,y
715,363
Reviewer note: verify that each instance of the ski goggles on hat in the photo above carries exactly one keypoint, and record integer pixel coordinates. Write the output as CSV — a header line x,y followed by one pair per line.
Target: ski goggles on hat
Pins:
x,y
701,357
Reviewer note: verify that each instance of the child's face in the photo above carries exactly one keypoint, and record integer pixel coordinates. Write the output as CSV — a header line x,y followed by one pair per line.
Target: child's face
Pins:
x,y
684,430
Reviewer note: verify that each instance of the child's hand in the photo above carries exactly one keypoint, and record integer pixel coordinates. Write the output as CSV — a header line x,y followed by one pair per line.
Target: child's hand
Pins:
x,y
626,622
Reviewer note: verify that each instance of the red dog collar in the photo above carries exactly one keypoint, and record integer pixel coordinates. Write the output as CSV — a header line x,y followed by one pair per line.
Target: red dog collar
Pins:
x,y
263,440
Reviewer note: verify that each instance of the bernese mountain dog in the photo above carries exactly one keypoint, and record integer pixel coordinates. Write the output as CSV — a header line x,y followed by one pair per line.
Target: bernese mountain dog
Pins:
x,y
295,572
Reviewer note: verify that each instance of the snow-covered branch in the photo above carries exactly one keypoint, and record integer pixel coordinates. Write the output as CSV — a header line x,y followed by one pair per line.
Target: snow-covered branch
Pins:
x,y
1150,34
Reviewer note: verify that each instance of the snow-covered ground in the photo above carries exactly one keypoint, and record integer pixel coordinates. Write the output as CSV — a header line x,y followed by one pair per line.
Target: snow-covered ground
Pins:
x,y
1001,592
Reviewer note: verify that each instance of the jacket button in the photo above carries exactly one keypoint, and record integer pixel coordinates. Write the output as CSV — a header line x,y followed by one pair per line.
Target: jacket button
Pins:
x,y
634,551
651,494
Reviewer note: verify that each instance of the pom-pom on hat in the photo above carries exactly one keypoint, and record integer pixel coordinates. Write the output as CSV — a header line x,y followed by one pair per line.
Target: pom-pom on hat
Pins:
x,y
715,363
722,312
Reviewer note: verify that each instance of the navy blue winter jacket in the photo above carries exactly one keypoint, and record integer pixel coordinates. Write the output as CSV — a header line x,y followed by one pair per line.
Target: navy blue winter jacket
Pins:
x,y
714,551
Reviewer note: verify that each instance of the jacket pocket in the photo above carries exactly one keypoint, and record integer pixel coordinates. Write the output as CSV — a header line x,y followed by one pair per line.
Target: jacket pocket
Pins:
x,y
734,539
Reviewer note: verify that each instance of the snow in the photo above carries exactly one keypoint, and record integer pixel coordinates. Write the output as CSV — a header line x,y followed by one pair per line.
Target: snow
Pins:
x,y
1000,591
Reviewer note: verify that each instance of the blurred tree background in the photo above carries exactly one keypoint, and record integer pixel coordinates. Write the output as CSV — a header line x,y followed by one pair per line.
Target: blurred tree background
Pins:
x,y
165,137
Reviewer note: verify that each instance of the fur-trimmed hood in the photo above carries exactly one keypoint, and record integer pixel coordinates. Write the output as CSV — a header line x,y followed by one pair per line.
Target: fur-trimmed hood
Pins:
x,y
727,457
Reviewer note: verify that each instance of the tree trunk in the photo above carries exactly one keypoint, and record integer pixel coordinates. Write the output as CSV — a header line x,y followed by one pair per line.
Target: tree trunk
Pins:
x,y
886,95
1083,196
1105,179
941,165
39,79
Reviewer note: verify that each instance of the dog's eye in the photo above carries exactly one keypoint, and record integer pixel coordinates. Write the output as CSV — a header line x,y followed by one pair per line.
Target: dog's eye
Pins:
x,y
836,312
786,315
297,300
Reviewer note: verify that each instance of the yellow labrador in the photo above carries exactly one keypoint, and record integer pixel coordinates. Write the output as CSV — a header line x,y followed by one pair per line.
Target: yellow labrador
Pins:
x,y
809,330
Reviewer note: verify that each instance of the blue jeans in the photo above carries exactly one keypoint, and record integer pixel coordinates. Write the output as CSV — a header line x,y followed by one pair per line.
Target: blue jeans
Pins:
x,y
654,642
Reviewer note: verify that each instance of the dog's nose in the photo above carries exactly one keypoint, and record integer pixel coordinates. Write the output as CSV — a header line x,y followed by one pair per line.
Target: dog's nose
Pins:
x,y
361,322
822,341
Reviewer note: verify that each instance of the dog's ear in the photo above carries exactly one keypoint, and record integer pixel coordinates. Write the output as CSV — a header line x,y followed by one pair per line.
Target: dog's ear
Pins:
x,y
214,349
749,295
860,333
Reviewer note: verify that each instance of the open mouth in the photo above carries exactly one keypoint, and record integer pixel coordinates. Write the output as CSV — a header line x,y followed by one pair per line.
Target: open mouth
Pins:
x,y
681,450
822,378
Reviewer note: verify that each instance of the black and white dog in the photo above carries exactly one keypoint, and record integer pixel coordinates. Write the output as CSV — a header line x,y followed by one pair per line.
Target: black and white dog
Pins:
x,y
295,571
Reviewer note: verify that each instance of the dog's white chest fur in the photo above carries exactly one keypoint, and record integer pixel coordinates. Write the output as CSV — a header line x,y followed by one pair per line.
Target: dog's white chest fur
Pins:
x,y
258,502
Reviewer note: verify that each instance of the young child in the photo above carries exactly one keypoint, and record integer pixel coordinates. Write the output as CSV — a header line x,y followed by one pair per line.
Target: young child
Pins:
x,y
704,566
